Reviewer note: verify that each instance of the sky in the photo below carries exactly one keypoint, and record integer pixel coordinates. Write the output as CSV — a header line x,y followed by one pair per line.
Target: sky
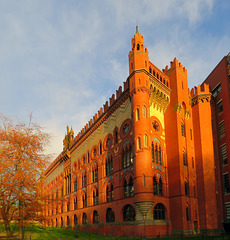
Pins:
x,y
62,60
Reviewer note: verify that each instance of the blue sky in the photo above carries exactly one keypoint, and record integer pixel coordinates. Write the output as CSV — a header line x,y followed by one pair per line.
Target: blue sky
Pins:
x,y
61,60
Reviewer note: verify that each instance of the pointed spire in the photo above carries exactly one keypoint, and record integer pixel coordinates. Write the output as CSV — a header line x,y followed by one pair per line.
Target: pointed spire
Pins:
x,y
137,31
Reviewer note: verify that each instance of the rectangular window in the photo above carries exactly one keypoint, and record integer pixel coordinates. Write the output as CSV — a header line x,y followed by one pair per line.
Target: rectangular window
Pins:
x,y
220,107
226,183
182,129
186,188
185,159
216,90
84,181
227,205
75,186
221,129
224,154
187,214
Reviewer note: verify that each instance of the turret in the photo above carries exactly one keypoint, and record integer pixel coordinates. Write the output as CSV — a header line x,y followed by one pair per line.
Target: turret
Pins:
x,y
204,155
138,56
139,84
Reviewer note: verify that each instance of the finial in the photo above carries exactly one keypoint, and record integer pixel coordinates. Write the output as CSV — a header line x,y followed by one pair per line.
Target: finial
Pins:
x,y
137,30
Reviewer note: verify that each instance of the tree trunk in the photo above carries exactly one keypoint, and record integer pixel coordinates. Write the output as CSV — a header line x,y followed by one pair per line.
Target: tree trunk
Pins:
x,y
20,231
8,230
20,221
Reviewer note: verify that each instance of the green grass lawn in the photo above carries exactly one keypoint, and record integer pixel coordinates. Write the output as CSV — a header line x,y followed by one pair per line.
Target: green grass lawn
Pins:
x,y
34,232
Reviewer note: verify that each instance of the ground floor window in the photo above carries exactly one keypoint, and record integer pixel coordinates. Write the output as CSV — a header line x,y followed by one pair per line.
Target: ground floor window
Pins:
x,y
75,219
95,217
110,216
68,221
128,213
159,212
227,205
84,218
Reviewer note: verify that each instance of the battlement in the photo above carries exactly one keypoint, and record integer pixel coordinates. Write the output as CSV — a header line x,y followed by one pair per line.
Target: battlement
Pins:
x,y
157,73
200,89
101,111
173,64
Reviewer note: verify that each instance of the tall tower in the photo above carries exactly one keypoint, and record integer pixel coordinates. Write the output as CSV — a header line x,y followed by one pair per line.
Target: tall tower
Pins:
x,y
204,153
149,98
180,152
140,95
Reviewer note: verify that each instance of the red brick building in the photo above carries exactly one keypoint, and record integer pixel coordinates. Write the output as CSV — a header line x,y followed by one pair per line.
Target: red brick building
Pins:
x,y
144,164
219,81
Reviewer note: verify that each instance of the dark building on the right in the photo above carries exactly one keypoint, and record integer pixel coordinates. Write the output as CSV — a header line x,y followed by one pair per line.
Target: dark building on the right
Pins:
x,y
219,81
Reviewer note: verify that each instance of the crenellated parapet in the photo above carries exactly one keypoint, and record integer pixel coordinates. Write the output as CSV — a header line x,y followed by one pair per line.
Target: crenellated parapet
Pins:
x,y
200,94
158,74
175,64
159,95
103,113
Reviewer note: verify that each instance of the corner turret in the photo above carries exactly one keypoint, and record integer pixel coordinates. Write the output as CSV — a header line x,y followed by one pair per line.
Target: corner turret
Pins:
x,y
138,56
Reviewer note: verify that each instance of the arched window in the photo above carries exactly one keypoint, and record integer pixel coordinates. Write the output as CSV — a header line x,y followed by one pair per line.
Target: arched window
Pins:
x,y
157,186
95,217
128,213
160,156
137,114
67,205
88,156
84,218
157,154
68,221
159,212
110,216
95,172
84,180
127,159
138,47
75,202
116,136
75,220
109,193
84,200
95,197
128,188
145,140
56,223
138,143
144,113
75,186
61,222
100,148
108,164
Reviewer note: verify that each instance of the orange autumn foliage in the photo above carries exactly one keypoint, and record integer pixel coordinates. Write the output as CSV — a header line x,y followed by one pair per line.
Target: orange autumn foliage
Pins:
x,y
22,165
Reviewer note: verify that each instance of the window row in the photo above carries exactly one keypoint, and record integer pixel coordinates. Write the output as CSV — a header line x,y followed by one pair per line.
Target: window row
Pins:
x,y
128,191
129,215
138,114
157,76
109,140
